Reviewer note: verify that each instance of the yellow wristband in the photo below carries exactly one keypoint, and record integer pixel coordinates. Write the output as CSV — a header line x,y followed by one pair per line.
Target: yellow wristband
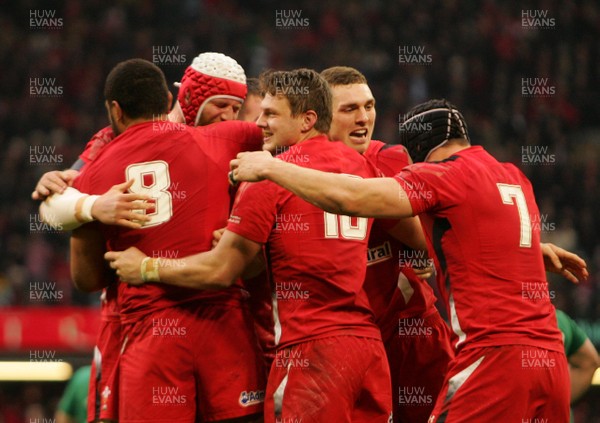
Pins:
x,y
149,270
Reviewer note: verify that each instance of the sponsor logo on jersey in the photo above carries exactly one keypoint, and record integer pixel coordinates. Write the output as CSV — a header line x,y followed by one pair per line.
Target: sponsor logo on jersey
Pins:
x,y
379,253
248,398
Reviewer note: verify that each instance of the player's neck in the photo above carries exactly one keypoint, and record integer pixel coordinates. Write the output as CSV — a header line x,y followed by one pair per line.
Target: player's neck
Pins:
x,y
310,134
127,123
447,150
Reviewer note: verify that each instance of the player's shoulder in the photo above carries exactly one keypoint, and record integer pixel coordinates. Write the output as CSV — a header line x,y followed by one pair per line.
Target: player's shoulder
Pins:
x,y
389,158
227,129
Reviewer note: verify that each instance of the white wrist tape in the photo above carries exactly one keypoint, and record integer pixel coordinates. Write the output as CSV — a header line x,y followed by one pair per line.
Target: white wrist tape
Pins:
x,y
69,210
149,270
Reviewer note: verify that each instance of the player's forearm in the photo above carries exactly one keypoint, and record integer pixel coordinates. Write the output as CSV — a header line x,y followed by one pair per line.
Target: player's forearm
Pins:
x,y
582,366
410,233
88,269
200,271
67,211
341,194
580,382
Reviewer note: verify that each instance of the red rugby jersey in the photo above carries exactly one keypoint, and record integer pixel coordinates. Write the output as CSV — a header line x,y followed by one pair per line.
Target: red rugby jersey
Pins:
x,y
387,256
317,260
185,170
479,216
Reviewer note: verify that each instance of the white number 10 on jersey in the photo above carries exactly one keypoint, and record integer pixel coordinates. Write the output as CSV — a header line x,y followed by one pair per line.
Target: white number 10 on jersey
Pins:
x,y
153,179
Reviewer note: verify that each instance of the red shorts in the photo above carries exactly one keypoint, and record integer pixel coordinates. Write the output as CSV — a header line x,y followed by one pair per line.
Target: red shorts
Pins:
x,y
418,354
335,379
196,362
103,393
511,383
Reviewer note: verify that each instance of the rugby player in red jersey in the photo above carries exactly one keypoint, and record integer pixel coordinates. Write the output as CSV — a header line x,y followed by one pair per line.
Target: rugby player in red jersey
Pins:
x,y
330,364
416,338
477,218
183,170
214,84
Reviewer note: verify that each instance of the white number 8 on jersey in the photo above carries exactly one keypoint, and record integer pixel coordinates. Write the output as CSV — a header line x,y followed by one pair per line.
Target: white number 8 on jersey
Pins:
x,y
153,179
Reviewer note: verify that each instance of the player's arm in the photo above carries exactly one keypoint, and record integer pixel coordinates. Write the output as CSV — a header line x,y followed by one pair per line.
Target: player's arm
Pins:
x,y
582,366
71,209
254,268
88,269
214,269
560,261
56,181
409,232
335,193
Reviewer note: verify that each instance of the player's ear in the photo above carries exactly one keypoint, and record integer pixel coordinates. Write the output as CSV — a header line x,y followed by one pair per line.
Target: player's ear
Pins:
x,y
114,110
170,99
309,120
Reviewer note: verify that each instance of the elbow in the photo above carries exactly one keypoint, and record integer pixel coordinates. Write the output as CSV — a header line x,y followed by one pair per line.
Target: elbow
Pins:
x,y
347,205
85,284
220,279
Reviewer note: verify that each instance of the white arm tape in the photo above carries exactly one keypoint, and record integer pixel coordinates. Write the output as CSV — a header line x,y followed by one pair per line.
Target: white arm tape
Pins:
x,y
69,210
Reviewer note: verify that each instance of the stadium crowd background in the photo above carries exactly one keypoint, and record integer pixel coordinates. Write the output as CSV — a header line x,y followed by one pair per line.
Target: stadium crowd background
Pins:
x,y
487,57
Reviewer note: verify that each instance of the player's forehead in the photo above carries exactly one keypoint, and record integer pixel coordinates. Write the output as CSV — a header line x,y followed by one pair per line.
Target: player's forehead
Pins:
x,y
224,102
352,94
277,103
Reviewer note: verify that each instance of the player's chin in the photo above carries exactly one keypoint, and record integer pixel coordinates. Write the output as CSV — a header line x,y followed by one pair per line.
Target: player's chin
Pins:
x,y
269,146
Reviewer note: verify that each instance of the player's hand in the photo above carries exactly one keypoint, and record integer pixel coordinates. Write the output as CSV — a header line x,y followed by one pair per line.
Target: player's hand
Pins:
x,y
116,207
56,181
560,261
127,264
424,272
249,166
217,235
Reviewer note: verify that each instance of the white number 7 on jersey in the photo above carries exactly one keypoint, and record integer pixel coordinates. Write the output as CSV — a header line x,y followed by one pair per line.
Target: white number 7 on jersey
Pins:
x,y
513,194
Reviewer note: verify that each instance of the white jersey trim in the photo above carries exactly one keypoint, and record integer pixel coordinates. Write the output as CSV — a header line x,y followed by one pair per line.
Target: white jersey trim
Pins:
x,y
455,323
